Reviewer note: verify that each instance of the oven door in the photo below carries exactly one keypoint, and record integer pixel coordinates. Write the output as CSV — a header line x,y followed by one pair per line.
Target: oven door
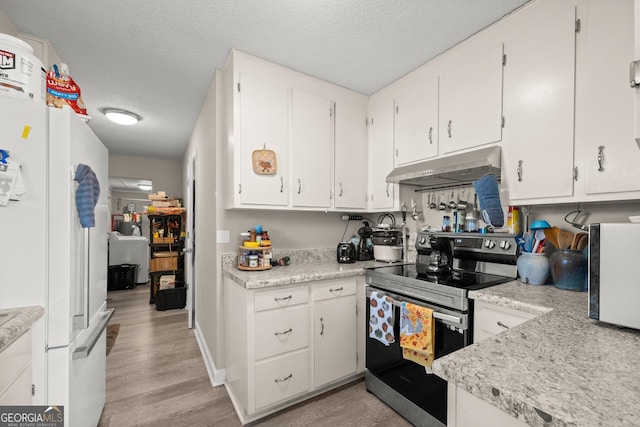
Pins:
x,y
405,385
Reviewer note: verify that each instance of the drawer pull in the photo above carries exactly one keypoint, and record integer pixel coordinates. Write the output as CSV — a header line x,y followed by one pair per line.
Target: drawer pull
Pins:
x,y
282,299
336,289
503,325
322,324
279,380
288,331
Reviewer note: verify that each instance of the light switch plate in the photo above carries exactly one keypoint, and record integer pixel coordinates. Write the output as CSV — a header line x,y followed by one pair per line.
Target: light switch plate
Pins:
x,y
222,236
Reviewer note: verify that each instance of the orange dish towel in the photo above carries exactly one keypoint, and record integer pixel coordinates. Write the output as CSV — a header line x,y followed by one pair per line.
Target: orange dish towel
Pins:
x,y
417,332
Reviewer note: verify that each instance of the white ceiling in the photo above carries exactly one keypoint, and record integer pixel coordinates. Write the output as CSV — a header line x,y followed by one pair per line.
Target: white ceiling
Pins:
x,y
157,57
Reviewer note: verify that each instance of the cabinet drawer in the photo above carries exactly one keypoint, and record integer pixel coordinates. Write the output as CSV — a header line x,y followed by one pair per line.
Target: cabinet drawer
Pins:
x,y
491,319
280,331
13,360
333,289
163,264
279,298
281,378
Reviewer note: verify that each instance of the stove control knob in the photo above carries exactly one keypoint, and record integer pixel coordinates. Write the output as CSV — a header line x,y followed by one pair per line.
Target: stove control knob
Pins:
x,y
423,240
490,244
505,245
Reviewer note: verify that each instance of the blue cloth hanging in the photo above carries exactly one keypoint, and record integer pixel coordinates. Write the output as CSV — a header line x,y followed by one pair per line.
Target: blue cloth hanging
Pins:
x,y
489,199
87,195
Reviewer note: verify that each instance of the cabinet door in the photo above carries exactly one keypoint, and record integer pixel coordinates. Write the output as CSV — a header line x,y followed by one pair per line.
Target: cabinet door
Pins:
x,y
334,328
311,150
264,124
539,108
350,160
471,95
608,149
416,122
381,156
490,319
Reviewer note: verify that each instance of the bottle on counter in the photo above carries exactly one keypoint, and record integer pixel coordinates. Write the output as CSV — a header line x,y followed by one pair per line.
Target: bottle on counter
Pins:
x,y
446,223
265,241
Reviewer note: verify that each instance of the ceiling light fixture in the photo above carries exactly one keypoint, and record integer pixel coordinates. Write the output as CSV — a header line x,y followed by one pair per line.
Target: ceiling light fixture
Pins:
x,y
144,187
121,117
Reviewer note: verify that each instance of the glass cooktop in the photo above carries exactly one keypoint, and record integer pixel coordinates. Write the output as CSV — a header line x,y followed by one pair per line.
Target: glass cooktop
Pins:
x,y
455,278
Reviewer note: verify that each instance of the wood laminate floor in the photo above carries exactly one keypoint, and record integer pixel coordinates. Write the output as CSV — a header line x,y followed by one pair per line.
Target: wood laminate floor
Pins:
x,y
156,377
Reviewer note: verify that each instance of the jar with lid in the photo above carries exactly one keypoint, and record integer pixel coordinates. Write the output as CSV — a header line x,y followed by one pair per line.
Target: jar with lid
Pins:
x,y
471,223
265,241
446,223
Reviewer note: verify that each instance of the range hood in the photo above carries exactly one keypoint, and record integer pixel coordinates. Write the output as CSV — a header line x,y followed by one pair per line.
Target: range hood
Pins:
x,y
451,171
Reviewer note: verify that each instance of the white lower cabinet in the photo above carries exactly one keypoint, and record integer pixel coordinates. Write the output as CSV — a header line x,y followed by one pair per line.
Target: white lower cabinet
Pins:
x,y
491,319
334,331
466,410
288,343
281,378
15,372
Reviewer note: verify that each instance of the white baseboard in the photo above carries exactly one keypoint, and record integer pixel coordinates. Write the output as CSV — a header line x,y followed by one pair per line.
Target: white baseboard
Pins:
x,y
216,376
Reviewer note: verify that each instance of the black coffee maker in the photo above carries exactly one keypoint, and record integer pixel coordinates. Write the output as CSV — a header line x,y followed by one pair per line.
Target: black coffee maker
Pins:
x,y
365,247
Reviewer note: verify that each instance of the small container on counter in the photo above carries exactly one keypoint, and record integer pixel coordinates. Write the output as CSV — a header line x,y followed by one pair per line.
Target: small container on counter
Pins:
x,y
446,223
253,261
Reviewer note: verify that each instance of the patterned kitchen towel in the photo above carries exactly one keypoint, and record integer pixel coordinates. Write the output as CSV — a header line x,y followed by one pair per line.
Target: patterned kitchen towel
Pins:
x,y
417,332
381,318
87,195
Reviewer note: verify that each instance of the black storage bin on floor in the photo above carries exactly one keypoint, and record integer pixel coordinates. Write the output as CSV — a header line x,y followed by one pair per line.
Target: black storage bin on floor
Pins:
x,y
168,299
122,276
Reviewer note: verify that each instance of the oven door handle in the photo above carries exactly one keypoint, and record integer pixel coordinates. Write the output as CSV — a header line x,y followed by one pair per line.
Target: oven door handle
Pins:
x,y
436,314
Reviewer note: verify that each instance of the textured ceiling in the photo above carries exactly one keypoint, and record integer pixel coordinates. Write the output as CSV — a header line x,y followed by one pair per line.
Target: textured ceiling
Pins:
x,y
157,57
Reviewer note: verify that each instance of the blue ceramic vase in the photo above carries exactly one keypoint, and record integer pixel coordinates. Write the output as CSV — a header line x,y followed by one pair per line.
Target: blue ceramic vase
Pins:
x,y
533,268
568,269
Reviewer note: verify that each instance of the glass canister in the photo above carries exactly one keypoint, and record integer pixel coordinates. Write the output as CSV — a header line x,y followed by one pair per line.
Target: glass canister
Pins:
x,y
568,269
446,223
533,268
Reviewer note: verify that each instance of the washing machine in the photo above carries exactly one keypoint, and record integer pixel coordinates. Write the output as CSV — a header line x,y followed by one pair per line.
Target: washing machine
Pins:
x,y
130,250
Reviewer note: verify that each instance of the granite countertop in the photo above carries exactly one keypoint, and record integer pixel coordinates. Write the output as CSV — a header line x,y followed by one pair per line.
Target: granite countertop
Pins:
x,y
19,321
305,266
559,369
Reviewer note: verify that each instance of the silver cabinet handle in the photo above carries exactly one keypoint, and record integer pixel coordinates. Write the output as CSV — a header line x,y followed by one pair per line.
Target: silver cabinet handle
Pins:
x,y
336,289
84,349
634,74
299,185
519,170
601,158
282,298
322,326
387,190
281,184
431,135
288,331
449,128
502,325
239,188
279,380
340,194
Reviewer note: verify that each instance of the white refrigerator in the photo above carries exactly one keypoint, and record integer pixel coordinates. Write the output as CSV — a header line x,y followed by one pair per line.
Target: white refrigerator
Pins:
x,y
47,258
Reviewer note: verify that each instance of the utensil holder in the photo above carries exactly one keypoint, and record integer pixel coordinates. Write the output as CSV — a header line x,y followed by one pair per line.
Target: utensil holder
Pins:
x,y
533,268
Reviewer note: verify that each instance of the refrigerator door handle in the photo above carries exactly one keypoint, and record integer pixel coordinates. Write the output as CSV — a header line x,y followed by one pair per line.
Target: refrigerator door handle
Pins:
x,y
84,350
81,321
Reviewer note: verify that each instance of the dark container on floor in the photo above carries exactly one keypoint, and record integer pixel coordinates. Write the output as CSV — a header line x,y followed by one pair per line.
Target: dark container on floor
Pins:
x,y
121,277
169,299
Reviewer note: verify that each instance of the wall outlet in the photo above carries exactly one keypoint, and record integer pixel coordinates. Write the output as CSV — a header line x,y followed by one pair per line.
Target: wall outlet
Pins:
x,y
351,217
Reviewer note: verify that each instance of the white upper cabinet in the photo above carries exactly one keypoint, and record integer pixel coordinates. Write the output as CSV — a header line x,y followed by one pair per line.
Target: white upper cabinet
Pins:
x,y
263,123
350,157
383,194
539,106
416,122
279,139
606,151
310,150
471,94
